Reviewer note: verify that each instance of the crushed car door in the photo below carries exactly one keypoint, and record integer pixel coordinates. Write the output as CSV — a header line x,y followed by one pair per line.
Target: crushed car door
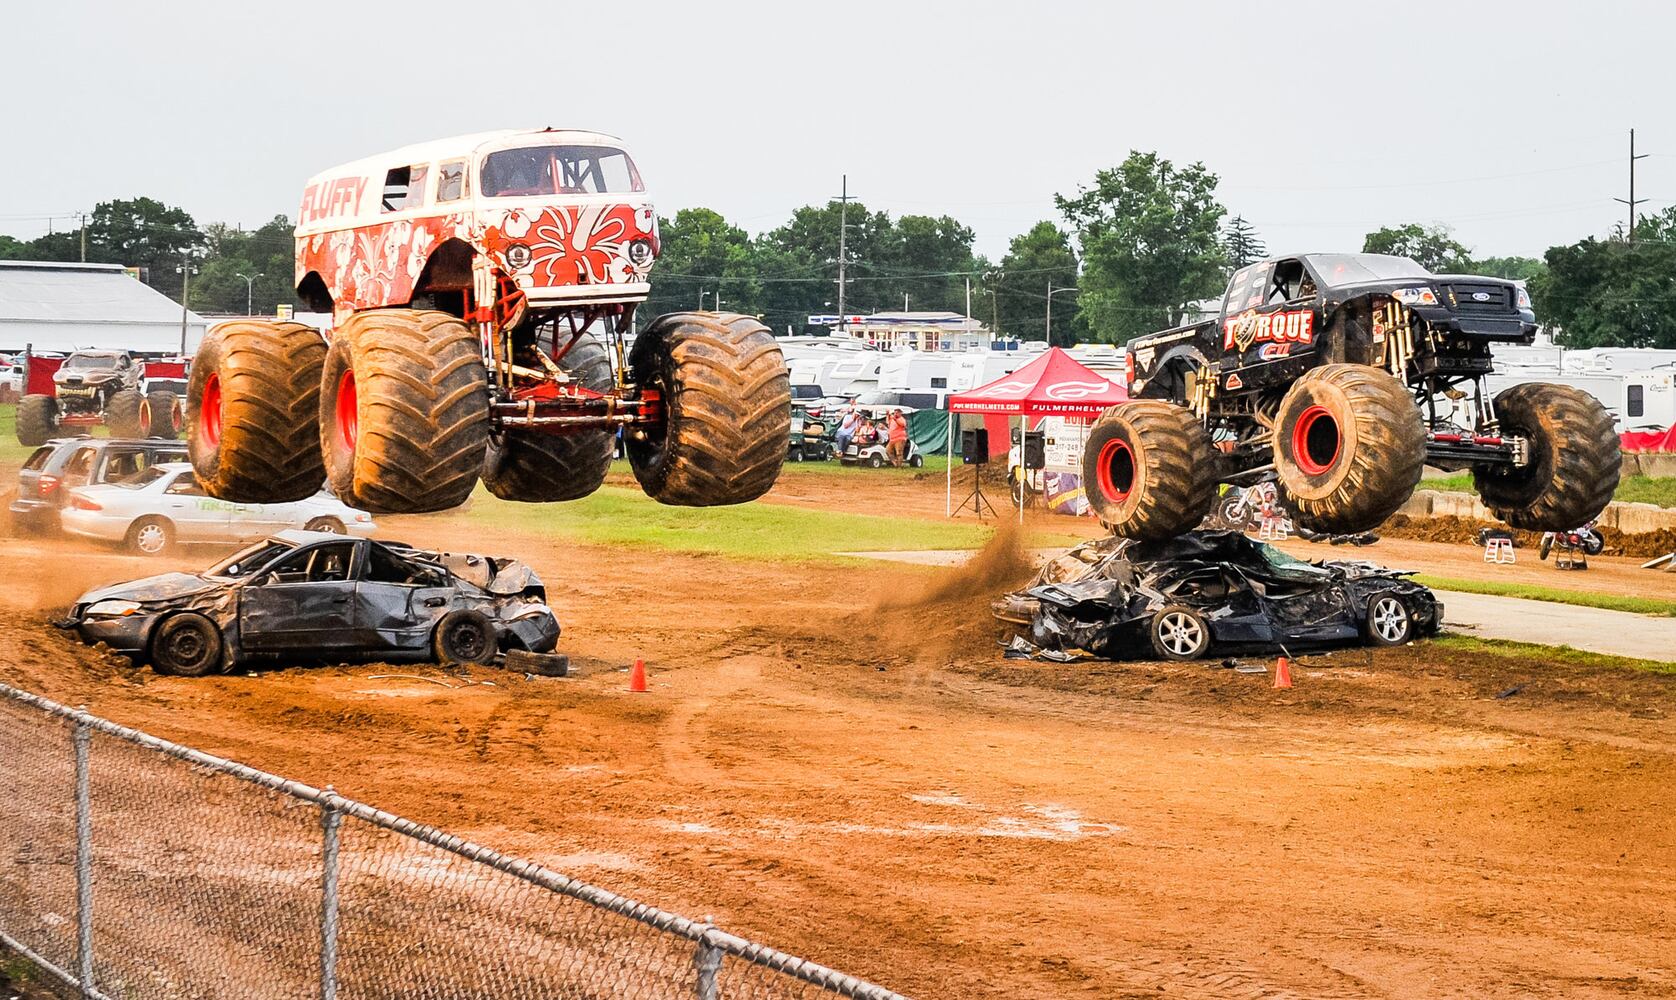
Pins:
x,y
302,601
397,600
1308,608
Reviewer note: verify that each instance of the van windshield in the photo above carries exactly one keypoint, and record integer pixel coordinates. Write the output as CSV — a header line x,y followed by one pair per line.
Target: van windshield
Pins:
x,y
549,170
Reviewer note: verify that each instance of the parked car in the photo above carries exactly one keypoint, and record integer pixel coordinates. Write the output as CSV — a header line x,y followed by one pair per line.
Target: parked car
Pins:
x,y
62,464
306,594
164,504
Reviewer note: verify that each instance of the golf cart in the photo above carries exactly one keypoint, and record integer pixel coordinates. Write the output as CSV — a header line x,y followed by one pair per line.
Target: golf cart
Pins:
x,y
809,441
874,455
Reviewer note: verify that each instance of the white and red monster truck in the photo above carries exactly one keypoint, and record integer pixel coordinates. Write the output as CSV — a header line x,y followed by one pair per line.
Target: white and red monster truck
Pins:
x,y
483,289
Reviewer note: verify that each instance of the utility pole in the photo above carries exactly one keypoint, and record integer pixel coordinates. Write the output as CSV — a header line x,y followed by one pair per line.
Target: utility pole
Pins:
x,y
1632,200
83,217
186,271
843,231
249,290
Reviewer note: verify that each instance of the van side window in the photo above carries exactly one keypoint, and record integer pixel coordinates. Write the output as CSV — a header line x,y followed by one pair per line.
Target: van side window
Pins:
x,y
451,182
404,187
79,467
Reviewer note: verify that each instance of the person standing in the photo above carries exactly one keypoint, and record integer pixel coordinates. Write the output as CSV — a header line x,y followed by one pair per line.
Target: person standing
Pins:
x,y
896,427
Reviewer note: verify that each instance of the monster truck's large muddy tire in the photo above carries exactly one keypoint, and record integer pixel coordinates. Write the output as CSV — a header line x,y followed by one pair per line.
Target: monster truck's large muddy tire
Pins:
x,y
543,468
404,411
253,412
727,409
1575,459
1149,469
37,419
162,415
123,414
1348,446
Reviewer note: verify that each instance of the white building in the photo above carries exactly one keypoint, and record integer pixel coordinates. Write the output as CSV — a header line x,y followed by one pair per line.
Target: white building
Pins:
x,y
60,307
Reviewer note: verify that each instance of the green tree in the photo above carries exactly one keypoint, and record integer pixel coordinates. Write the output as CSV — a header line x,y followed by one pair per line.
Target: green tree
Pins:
x,y
805,251
12,248
701,252
1241,243
1431,247
1035,258
1613,293
1149,233
1512,268
264,254
927,260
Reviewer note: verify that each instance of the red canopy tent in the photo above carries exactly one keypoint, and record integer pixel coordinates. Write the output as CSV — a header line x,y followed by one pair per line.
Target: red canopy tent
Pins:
x,y
1053,385
1655,441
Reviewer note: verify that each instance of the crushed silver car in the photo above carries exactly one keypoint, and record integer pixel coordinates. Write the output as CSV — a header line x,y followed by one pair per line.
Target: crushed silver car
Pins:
x,y
309,595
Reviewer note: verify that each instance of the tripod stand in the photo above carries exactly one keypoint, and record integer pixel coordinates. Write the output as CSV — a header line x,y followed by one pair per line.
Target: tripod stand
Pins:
x,y
975,499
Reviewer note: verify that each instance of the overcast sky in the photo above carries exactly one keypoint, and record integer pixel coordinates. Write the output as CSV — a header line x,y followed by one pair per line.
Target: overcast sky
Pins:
x,y
1506,121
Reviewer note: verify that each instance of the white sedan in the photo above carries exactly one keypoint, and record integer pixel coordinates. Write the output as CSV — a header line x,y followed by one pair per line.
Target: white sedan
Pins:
x,y
164,504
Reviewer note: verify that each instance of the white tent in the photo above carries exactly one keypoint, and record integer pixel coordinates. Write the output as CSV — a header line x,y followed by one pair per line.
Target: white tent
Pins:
x,y
59,307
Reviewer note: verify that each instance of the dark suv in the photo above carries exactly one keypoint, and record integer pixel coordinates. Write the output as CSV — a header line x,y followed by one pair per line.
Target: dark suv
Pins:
x,y
63,463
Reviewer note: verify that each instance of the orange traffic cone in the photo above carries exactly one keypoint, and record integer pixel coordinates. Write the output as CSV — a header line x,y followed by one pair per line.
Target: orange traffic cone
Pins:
x,y
637,677
1283,673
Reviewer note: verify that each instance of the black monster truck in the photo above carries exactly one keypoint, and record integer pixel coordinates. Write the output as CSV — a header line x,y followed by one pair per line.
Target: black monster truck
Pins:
x,y
1343,375
93,387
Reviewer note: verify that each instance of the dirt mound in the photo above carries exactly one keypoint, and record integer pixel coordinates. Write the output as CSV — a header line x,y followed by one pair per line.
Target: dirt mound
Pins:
x,y
1464,531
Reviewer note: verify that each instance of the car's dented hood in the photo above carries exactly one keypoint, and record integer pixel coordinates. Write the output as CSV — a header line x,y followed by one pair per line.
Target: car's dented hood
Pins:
x,y
501,577
163,587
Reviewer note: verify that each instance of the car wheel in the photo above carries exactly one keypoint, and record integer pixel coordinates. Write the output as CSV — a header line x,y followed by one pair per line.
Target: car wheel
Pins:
x,y
328,525
1389,623
464,636
1179,633
187,645
151,536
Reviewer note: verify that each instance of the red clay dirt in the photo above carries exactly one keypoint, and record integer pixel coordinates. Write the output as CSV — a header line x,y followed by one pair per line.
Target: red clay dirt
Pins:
x,y
867,783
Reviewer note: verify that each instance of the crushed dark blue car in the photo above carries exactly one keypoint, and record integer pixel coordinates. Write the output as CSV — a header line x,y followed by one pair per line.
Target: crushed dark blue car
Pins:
x,y
1182,597
306,595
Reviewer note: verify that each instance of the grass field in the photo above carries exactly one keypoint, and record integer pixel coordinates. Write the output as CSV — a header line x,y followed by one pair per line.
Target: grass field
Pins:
x,y
1565,654
1537,592
1632,489
620,516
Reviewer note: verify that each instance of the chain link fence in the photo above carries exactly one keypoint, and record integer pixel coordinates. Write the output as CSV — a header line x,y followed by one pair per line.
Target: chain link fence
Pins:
x,y
132,867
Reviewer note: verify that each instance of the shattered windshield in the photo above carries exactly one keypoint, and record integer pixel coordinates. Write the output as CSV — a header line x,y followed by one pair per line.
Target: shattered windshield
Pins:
x,y
1288,565
246,561
90,361
1339,269
542,170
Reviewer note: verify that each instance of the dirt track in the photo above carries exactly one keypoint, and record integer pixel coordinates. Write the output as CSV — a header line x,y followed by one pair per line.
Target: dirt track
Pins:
x,y
875,789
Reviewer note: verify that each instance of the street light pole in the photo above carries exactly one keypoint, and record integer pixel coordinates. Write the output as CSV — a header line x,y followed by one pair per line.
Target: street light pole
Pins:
x,y
701,294
249,290
1052,291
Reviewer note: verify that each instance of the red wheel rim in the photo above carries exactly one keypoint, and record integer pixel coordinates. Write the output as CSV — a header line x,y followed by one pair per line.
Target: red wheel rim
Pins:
x,y
1115,470
1316,440
177,416
348,419
209,411
145,417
